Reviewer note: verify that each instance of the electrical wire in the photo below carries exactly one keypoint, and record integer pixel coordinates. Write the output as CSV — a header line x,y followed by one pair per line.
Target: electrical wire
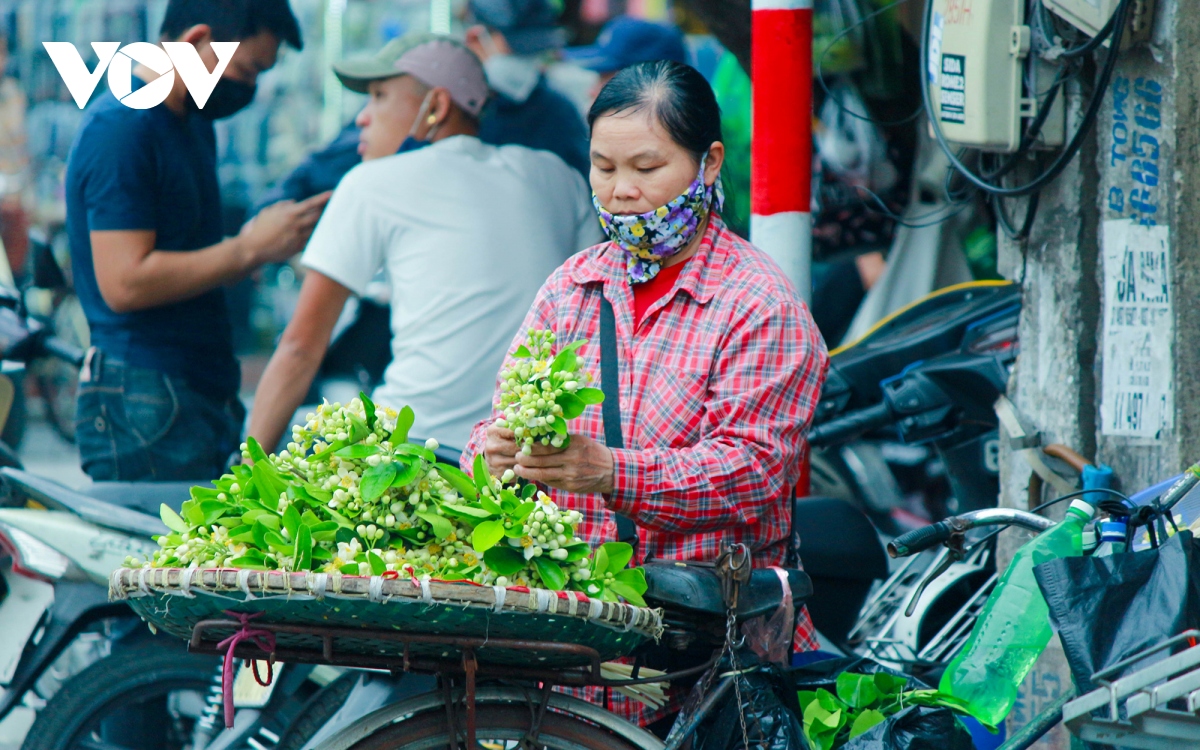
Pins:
x,y
1115,32
825,87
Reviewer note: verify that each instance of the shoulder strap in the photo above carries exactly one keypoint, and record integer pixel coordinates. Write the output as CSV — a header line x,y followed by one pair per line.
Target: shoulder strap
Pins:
x,y
609,383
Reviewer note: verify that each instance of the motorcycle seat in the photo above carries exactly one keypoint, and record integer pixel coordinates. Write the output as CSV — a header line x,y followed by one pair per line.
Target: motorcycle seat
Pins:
x,y
57,497
697,588
144,497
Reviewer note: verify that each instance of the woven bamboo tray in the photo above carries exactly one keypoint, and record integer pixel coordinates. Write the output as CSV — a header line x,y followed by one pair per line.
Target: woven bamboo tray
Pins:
x,y
174,600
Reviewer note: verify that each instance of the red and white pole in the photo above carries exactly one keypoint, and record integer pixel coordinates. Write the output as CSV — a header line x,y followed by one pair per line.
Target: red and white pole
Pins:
x,y
781,148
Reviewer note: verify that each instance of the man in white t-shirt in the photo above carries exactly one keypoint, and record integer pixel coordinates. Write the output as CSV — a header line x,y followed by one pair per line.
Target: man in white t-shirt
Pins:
x,y
465,232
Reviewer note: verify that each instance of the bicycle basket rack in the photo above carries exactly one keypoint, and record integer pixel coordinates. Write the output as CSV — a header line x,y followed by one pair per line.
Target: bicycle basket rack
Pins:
x,y
1156,707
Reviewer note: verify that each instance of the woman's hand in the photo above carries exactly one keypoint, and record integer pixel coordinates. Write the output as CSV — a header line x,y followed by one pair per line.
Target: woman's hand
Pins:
x,y
584,466
500,449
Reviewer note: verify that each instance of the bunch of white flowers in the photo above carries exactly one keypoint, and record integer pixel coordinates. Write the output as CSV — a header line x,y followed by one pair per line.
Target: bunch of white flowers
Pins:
x,y
542,390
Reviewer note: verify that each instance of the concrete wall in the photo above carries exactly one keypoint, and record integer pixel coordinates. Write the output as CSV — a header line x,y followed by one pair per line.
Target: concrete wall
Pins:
x,y
1138,166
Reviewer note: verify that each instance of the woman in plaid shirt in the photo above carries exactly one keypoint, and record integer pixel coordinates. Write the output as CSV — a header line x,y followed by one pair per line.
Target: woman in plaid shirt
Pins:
x,y
721,364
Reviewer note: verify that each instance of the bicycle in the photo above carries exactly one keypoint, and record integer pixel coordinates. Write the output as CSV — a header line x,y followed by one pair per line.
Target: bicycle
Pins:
x,y
1140,709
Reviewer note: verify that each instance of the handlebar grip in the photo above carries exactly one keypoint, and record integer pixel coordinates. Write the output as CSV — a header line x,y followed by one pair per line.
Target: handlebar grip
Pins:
x,y
851,425
66,351
919,540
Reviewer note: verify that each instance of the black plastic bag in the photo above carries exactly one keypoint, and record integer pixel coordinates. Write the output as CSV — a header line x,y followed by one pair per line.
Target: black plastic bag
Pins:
x,y
768,706
914,728
1107,609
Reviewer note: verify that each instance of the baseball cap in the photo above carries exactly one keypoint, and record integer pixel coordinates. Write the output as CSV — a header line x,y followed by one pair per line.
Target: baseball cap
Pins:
x,y
529,26
626,41
433,59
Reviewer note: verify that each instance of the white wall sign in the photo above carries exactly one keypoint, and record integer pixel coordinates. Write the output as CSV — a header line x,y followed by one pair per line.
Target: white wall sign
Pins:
x,y
1137,398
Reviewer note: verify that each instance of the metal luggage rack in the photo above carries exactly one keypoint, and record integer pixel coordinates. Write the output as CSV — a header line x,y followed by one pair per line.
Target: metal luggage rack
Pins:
x,y
1156,708
465,666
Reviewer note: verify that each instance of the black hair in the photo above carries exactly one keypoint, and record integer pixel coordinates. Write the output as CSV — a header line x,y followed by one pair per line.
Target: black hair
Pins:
x,y
676,94
233,20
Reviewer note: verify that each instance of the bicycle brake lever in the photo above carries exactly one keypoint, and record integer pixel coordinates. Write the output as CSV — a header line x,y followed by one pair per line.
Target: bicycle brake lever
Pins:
x,y
954,547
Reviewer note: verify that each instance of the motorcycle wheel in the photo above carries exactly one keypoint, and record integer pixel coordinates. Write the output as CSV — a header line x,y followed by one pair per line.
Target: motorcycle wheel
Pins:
x,y
148,698
496,726
318,710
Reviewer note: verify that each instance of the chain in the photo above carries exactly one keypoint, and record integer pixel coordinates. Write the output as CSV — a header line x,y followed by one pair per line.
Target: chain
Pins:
x,y
730,631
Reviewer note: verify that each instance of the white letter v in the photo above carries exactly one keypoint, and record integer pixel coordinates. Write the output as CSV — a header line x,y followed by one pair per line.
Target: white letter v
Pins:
x,y
73,70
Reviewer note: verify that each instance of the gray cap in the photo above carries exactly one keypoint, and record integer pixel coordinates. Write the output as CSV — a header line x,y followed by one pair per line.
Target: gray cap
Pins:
x,y
435,60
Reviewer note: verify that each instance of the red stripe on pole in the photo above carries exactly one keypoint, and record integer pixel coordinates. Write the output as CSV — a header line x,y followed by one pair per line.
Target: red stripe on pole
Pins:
x,y
781,149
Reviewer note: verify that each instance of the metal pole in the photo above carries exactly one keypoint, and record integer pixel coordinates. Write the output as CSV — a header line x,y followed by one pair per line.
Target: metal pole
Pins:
x,y
781,150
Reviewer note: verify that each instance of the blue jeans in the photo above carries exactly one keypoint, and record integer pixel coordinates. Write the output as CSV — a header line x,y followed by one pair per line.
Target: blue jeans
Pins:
x,y
136,424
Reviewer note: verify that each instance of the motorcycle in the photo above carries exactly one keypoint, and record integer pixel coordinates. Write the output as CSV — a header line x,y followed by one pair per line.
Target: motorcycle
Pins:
x,y
929,377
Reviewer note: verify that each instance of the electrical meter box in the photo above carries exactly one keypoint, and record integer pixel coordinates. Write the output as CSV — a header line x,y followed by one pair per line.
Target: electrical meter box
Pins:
x,y
977,66
1089,16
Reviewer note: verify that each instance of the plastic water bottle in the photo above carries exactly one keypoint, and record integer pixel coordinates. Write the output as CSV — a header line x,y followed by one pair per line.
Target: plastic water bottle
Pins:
x,y
1014,627
1112,537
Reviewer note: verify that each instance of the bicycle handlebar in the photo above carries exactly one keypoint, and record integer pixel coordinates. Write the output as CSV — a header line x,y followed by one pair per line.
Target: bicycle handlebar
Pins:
x,y
921,539
851,425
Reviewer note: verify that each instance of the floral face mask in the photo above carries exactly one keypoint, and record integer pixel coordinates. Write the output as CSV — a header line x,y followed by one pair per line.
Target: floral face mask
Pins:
x,y
652,237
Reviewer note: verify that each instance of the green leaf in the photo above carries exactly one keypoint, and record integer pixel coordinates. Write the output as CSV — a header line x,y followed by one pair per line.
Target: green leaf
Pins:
x,y
318,494
268,482
357,451
229,522
302,551
577,551
864,722
523,352
191,512
551,574
243,534
324,532
339,519
378,566
566,361
889,684
270,520
528,491
505,561
623,590
171,519
486,535
441,527
404,422
493,507
321,554
829,701
458,480
278,543
467,513
260,531
247,562
291,520
590,396
369,407
634,578
805,698
560,426
857,690
358,430
522,511
349,569
619,554
571,404
599,562
309,518
412,449
204,493
255,450
211,510
480,473
406,472
376,480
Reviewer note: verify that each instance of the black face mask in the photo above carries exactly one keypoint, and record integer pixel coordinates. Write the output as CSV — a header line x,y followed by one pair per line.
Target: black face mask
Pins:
x,y
228,98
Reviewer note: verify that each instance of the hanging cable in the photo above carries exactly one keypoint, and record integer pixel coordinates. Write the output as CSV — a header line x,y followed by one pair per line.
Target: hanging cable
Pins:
x,y
1116,33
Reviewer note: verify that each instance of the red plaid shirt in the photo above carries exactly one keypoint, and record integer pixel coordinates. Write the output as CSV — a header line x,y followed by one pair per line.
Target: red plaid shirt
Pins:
x,y
717,388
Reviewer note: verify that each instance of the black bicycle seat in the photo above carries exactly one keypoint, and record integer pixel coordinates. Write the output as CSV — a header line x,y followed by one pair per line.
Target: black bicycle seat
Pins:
x,y
679,585
57,497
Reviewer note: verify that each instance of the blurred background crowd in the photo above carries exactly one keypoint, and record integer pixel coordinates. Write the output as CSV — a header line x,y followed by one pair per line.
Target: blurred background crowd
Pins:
x,y
875,188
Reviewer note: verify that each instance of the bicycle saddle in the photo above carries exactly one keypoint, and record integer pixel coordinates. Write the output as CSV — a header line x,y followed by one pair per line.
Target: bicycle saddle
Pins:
x,y
680,585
